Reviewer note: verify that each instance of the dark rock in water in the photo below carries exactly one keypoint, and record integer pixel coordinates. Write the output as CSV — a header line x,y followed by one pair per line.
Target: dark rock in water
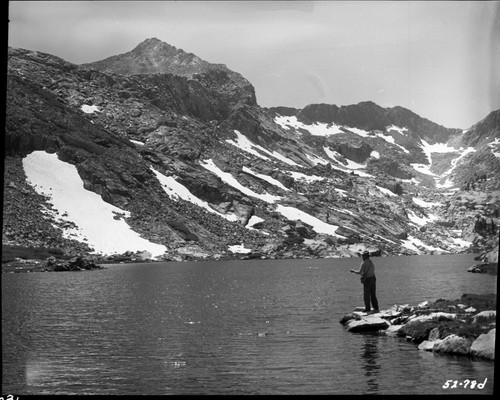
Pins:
x,y
252,255
482,268
74,264
346,318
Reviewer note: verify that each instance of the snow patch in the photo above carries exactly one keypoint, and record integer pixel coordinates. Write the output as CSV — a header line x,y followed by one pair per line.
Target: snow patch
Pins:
x,y
319,226
461,243
230,180
358,131
421,221
412,243
308,178
254,219
386,191
342,192
176,190
423,203
244,144
89,109
351,166
397,129
94,218
423,169
428,149
267,178
239,248
317,160
316,129
495,147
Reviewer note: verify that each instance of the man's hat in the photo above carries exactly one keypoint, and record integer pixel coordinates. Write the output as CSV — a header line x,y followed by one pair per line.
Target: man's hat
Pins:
x,y
365,254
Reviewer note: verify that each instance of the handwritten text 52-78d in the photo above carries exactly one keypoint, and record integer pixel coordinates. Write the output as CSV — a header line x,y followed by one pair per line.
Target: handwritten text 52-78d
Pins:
x,y
466,384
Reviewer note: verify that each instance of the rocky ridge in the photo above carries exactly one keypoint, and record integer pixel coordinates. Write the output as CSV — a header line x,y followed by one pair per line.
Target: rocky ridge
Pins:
x,y
370,179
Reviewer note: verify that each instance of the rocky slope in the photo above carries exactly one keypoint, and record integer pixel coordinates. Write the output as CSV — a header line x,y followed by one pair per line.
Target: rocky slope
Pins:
x,y
324,181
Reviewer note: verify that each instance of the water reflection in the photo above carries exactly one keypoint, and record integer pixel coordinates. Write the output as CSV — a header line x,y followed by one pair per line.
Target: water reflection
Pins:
x,y
370,358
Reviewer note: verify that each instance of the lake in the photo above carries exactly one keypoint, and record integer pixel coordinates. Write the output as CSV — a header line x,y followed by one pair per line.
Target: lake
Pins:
x,y
228,327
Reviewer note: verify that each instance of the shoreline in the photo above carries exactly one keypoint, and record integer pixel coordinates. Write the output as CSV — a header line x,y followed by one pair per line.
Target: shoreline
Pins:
x,y
48,265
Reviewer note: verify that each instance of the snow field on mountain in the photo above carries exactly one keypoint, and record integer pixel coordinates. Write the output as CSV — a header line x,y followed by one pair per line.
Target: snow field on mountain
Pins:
x,y
428,149
412,242
291,213
93,217
322,129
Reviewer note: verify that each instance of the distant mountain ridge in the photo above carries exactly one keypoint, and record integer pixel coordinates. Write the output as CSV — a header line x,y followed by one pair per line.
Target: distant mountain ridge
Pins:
x,y
183,147
370,116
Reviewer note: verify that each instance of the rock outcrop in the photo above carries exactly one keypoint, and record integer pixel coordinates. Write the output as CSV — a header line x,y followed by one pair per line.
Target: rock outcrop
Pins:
x,y
74,264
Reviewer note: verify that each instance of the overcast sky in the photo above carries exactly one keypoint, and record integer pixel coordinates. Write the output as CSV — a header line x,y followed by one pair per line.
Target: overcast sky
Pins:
x,y
439,59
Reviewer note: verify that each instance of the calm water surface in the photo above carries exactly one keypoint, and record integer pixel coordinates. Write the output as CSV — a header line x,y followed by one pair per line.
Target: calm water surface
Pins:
x,y
242,327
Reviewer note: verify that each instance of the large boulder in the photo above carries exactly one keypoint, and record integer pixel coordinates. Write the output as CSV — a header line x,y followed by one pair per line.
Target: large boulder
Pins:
x,y
484,346
453,344
243,212
368,323
485,315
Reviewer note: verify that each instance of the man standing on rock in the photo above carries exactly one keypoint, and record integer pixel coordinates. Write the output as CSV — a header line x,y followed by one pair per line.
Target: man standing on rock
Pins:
x,y
367,272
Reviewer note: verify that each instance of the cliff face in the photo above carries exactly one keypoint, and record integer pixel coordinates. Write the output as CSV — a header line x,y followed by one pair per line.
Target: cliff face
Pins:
x,y
318,182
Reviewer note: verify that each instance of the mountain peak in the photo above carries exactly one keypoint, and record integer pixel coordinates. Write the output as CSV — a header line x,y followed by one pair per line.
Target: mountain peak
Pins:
x,y
155,48
152,56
